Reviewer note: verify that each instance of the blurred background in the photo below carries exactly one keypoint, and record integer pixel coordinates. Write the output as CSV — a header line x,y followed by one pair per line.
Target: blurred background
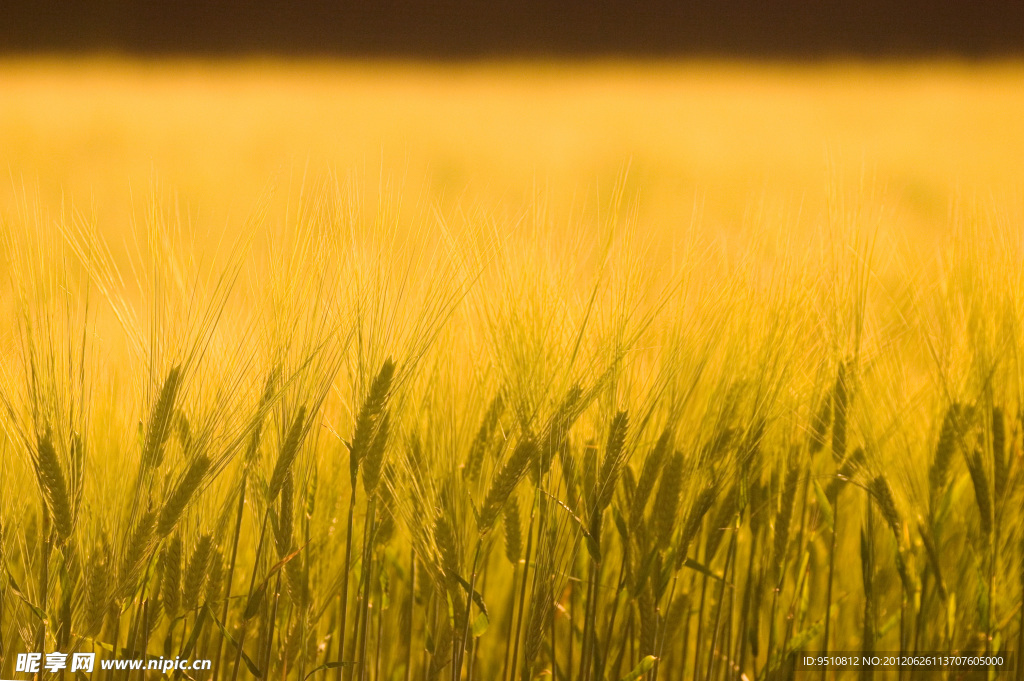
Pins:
x,y
728,114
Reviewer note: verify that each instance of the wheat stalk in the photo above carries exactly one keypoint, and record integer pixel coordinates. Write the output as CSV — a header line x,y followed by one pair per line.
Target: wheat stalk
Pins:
x,y
945,449
96,591
54,486
475,457
171,578
666,503
366,422
513,531
840,404
136,551
182,494
504,483
160,421
196,572
286,457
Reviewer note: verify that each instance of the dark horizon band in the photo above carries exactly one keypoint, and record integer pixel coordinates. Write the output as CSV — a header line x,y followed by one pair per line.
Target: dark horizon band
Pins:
x,y
453,29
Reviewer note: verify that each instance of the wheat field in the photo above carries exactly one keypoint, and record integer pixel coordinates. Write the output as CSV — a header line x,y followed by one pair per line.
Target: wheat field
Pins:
x,y
597,372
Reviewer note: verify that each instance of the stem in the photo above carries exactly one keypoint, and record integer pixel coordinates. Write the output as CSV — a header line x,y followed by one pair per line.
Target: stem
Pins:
x,y
718,606
343,606
730,661
776,594
3,598
992,561
380,635
700,613
304,603
409,613
117,635
475,643
868,637
169,639
828,589
186,633
133,626
903,632
145,635
748,596
511,622
617,667
798,589
1020,634
289,629
371,519
460,652
252,584
919,615
590,615
573,598
522,593
804,510
685,652
554,640
44,579
659,632
611,618
429,620
231,573
700,625
271,625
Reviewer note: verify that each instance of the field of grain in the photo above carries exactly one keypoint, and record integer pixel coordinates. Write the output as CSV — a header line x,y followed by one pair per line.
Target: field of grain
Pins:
x,y
388,371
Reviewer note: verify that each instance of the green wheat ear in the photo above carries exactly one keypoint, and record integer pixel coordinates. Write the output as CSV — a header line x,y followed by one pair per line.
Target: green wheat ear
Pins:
x,y
505,482
614,457
374,460
284,526
182,494
840,404
215,579
666,503
448,547
98,580
701,505
479,448
54,486
849,467
140,540
557,430
648,477
1000,462
196,572
285,459
160,421
982,493
881,492
369,414
945,449
513,531
820,425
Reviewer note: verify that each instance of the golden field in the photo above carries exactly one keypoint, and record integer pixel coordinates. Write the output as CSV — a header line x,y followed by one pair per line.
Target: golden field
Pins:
x,y
733,136
595,371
